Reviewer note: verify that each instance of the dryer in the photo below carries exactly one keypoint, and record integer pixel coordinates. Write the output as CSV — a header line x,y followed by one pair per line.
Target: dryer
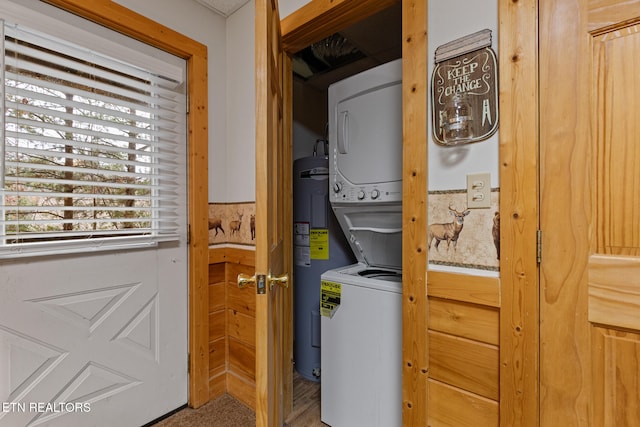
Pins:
x,y
365,137
361,345
365,168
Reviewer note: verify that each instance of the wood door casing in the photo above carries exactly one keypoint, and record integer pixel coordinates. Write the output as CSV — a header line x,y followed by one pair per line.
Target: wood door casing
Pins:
x,y
590,213
519,321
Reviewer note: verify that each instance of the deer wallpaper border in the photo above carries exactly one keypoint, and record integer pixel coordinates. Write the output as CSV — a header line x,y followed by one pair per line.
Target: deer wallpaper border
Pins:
x,y
232,223
474,243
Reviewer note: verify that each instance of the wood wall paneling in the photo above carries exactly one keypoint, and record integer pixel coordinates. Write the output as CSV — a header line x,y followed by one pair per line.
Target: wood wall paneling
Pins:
x,y
231,325
242,359
242,389
464,332
241,300
241,327
217,273
465,320
217,357
217,296
449,406
463,363
232,256
463,287
217,325
217,386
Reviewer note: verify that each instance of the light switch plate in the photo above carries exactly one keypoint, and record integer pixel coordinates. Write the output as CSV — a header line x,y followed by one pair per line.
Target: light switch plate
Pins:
x,y
479,190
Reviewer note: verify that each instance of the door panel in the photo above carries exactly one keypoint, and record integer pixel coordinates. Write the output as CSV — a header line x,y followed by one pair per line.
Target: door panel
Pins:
x,y
590,213
273,221
99,331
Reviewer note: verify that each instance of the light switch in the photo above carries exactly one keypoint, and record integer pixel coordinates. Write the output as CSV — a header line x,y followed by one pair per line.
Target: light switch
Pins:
x,y
479,190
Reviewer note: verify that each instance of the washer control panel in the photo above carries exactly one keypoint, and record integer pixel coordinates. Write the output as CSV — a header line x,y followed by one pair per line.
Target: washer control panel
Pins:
x,y
344,191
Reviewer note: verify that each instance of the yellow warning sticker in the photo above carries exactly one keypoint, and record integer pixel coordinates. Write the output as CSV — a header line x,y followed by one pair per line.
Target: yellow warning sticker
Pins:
x,y
319,242
330,294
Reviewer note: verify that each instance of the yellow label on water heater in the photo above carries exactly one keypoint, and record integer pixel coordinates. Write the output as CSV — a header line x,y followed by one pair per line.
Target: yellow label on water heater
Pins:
x,y
319,242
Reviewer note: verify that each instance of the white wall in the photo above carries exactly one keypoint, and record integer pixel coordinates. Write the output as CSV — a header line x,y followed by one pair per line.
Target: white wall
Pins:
x,y
241,110
205,26
230,44
287,7
449,20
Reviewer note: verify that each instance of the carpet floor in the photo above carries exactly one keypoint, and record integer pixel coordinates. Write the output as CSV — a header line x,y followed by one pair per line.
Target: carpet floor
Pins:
x,y
224,411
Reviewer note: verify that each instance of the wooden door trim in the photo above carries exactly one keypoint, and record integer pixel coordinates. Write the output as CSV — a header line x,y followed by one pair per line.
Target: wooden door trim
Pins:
x,y
288,314
321,18
119,18
415,98
519,214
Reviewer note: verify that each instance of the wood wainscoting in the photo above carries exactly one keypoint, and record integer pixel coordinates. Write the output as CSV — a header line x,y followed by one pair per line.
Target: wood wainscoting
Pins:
x,y
464,337
231,325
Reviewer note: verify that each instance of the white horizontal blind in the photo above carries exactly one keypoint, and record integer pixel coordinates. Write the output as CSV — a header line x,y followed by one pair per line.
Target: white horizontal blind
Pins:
x,y
94,149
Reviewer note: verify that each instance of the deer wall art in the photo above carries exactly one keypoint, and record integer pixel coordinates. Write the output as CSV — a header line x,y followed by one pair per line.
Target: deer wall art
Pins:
x,y
450,231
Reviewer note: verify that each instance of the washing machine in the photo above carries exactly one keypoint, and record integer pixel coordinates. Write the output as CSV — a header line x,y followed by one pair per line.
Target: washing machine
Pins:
x,y
361,304
361,348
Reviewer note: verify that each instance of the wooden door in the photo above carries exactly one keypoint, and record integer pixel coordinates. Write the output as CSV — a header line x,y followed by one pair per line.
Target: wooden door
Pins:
x,y
590,213
273,221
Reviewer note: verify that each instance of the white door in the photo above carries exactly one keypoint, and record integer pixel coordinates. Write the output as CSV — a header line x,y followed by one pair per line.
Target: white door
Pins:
x,y
105,333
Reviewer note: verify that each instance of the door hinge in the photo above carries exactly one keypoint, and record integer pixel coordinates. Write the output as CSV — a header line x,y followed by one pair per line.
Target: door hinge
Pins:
x,y
188,363
188,234
539,246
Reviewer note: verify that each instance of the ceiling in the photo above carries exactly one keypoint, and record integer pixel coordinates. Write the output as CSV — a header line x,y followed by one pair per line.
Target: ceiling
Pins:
x,y
223,7
370,42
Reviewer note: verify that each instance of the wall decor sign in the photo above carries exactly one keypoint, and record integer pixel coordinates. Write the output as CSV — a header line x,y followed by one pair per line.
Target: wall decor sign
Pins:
x,y
464,98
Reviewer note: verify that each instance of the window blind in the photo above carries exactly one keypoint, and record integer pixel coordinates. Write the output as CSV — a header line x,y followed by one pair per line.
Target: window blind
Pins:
x,y
94,152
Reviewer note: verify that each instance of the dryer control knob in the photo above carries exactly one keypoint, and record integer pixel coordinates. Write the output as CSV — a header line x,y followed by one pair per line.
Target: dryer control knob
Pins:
x,y
337,187
361,195
375,194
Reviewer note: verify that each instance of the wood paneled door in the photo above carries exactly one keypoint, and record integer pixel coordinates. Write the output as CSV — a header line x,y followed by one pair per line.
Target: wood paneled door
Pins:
x,y
590,213
273,221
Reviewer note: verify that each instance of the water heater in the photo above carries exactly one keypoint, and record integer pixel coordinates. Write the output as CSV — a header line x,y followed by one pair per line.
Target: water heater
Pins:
x,y
319,245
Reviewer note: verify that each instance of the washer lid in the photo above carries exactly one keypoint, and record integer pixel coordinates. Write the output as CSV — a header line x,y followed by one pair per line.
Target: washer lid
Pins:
x,y
374,233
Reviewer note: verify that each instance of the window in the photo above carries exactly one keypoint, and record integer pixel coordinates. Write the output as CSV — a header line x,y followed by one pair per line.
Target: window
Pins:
x,y
93,148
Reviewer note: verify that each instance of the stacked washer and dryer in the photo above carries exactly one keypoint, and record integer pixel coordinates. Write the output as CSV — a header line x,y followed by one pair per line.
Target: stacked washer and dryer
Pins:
x,y
361,342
